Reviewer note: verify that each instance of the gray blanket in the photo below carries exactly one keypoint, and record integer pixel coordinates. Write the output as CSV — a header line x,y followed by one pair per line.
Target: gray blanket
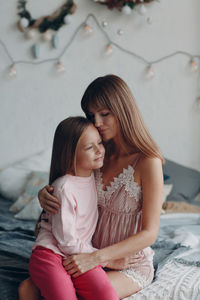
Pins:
x,y
16,239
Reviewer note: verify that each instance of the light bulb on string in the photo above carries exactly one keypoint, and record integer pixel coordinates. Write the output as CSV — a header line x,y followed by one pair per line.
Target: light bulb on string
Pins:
x,y
13,72
193,65
109,49
198,103
87,28
150,73
104,24
60,67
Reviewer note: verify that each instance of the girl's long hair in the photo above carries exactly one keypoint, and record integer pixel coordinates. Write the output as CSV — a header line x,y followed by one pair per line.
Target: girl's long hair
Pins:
x,y
66,138
112,93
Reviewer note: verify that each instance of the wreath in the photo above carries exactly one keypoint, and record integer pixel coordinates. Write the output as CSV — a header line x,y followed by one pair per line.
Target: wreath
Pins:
x,y
121,4
53,21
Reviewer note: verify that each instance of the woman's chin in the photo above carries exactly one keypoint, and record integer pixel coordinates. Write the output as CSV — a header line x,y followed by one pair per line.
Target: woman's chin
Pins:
x,y
105,138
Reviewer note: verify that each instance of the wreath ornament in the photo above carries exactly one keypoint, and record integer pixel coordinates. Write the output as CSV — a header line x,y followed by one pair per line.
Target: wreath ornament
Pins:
x,y
45,24
126,6
53,21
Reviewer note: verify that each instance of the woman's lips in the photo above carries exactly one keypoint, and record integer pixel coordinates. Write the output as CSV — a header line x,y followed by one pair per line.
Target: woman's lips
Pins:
x,y
102,131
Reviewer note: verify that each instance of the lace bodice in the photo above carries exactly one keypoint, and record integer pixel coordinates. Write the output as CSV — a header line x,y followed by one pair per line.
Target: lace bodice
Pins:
x,y
124,179
119,208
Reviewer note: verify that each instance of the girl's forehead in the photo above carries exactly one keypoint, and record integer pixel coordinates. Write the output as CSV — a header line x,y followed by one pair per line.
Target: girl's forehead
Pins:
x,y
89,133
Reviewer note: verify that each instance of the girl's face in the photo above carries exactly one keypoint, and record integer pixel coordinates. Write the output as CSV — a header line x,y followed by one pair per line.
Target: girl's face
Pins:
x,y
106,123
89,152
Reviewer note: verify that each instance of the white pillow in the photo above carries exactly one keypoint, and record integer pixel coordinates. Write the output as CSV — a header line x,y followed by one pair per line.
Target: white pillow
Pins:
x,y
31,211
36,180
12,182
166,191
13,178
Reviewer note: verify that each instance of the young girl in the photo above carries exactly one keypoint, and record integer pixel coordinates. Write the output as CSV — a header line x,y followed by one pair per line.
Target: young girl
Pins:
x,y
77,150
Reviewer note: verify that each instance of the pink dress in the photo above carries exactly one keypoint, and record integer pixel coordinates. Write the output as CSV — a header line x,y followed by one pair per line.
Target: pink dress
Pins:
x,y
120,213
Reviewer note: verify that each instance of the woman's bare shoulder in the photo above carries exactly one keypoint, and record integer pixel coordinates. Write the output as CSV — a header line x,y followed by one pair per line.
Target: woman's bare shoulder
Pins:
x,y
150,165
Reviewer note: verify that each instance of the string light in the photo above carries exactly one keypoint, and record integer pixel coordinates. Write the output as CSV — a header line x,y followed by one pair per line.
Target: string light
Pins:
x,y
109,47
60,67
87,28
104,24
150,73
194,67
13,71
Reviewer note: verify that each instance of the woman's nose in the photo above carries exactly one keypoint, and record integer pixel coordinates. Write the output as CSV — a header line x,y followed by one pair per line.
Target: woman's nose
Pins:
x,y
97,121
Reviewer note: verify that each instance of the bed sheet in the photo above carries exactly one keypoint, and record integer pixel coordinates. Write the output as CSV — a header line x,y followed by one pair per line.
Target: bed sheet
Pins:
x,y
177,235
16,239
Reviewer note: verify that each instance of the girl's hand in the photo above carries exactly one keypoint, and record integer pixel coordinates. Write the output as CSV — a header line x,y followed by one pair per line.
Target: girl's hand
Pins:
x,y
75,265
48,202
125,263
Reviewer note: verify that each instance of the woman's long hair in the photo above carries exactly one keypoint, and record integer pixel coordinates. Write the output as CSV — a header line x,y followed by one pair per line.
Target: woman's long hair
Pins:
x,y
66,138
112,93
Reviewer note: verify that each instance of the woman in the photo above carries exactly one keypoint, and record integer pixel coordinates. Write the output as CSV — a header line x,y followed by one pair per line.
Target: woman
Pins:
x,y
129,188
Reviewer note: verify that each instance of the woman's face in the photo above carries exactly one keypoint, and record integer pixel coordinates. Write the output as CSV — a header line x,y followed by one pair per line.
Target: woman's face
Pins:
x,y
106,123
89,152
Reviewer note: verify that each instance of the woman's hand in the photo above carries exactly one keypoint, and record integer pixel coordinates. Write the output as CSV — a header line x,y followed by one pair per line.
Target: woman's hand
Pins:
x,y
48,202
125,263
75,265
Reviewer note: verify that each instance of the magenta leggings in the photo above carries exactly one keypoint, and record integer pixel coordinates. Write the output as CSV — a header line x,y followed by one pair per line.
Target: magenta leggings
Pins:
x,y
48,274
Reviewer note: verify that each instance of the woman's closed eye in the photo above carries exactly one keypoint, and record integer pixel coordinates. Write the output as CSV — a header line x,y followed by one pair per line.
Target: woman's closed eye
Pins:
x,y
105,114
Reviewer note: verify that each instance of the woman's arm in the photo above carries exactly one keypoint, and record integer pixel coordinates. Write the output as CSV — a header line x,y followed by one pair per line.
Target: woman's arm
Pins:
x,y
47,201
152,189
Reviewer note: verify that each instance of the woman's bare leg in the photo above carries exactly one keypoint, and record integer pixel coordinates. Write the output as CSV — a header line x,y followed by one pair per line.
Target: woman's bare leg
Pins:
x,y
123,285
27,290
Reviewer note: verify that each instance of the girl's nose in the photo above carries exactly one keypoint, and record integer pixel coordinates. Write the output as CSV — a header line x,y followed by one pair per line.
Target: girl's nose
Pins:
x,y
97,149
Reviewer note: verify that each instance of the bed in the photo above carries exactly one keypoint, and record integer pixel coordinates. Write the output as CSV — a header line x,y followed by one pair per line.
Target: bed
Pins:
x,y
177,248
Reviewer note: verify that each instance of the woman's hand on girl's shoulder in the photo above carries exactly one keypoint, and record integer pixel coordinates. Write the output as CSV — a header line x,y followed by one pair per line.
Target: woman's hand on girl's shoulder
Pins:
x,y
47,201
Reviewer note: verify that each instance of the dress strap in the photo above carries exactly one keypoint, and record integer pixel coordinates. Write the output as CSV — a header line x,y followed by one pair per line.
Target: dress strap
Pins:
x,y
136,160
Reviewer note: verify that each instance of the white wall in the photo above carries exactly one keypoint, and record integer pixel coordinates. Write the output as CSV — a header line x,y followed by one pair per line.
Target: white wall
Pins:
x,y
32,104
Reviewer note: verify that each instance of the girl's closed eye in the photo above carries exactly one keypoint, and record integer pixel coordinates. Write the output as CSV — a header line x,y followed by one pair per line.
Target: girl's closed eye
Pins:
x,y
89,147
